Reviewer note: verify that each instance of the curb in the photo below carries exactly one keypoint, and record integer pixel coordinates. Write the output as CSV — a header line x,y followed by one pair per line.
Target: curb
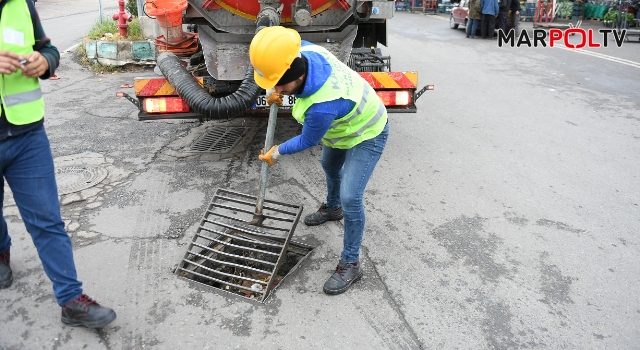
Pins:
x,y
120,53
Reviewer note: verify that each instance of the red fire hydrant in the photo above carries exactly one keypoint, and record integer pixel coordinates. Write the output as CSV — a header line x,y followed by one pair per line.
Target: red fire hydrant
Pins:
x,y
122,17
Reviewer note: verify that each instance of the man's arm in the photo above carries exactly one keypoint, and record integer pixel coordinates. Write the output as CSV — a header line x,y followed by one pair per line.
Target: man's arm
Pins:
x,y
43,44
317,121
314,127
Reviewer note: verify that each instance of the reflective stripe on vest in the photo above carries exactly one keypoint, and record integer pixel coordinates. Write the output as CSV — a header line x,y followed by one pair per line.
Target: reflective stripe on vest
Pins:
x,y
365,121
21,97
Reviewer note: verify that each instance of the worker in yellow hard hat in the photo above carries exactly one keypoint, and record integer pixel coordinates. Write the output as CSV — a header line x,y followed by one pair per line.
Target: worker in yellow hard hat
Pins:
x,y
337,107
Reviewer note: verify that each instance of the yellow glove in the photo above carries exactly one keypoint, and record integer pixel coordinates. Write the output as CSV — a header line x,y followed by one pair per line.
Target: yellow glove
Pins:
x,y
271,157
274,97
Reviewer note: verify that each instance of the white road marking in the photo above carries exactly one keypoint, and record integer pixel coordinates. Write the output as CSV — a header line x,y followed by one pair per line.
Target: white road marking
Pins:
x,y
602,56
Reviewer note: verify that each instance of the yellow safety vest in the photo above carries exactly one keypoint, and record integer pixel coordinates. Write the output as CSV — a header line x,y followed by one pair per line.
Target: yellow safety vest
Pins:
x,y
367,118
21,97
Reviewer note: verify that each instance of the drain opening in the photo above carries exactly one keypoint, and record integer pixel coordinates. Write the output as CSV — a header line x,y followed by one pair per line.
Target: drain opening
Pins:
x,y
219,139
230,255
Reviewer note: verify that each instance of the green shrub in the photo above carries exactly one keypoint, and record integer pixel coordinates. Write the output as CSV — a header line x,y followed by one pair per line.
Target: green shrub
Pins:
x,y
108,25
132,7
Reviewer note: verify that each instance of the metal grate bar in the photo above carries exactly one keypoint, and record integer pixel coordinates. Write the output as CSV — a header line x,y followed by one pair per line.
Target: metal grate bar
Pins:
x,y
219,139
277,218
253,204
237,246
226,263
239,257
241,229
253,197
253,241
227,274
223,206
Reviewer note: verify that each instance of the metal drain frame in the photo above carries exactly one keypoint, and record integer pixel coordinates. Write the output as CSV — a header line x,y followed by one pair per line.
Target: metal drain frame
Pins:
x,y
223,227
218,134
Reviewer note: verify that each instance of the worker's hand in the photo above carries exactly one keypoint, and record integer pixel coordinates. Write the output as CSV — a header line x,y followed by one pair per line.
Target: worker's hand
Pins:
x,y
274,97
9,62
36,65
271,157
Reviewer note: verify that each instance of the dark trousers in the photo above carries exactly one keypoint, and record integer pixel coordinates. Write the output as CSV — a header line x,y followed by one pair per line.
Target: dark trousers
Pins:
x,y
488,26
516,24
502,20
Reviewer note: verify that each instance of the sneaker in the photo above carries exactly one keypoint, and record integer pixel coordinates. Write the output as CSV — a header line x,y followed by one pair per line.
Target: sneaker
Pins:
x,y
6,276
343,278
323,215
84,311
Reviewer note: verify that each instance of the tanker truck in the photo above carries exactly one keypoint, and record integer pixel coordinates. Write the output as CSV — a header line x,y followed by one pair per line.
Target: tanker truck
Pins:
x,y
205,67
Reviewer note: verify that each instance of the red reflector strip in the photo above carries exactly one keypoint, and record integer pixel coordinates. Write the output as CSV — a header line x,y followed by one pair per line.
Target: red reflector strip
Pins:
x,y
395,98
391,80
165,105
156,87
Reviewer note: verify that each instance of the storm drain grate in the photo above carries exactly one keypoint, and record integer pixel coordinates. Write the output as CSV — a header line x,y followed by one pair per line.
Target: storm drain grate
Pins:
x,y
250,261
219,139
77,178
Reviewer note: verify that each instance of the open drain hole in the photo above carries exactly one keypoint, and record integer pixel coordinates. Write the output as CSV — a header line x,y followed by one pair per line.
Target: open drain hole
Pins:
x,y
229,254
219,139
247,276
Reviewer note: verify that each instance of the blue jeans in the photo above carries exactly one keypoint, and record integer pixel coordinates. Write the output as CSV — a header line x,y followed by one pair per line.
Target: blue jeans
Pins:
x,y
27,165
347,172
472,27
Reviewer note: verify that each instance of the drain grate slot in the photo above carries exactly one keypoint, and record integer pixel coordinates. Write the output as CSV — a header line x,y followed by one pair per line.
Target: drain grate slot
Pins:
x,y
228,254
219,139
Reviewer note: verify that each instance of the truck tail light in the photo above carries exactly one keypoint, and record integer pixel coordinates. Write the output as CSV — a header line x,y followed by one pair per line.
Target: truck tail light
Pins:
x,y
165,105
395,98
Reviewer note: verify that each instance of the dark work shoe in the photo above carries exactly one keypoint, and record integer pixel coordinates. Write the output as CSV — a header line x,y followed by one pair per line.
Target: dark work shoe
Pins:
x,y
343,278
323,215
6,276
84,311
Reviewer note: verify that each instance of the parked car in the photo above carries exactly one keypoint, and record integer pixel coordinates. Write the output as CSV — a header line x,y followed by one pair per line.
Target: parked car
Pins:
x,y
459,14
460,17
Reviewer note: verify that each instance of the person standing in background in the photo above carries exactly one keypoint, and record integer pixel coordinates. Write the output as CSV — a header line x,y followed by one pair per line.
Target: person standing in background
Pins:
x,y
515,11
503,13
490,9
475,14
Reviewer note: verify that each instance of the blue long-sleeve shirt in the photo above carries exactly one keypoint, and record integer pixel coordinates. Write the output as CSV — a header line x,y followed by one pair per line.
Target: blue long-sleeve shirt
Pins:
x,y
50,53
490,7
319,117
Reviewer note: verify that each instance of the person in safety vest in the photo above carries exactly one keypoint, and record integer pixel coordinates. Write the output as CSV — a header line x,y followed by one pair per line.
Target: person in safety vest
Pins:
x,y
337,107
26,162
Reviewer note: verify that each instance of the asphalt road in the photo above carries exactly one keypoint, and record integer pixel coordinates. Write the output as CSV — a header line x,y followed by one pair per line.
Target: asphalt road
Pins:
x,y
504,214
66,22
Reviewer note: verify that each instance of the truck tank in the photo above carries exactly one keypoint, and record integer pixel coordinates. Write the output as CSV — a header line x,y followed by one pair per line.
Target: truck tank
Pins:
x,y
350,29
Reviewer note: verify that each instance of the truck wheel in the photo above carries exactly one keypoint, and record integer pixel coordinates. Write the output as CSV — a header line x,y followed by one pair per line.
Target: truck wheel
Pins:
x,y
452,23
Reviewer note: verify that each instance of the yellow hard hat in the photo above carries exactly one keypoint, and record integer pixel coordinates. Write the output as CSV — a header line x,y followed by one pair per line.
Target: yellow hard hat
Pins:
x,y
271,52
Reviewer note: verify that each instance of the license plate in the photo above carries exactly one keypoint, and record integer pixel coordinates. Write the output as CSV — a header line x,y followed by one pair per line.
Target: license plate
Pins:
x,y
287,101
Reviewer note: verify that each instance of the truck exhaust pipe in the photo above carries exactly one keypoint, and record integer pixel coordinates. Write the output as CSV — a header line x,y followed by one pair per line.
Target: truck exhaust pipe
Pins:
x,y
199,99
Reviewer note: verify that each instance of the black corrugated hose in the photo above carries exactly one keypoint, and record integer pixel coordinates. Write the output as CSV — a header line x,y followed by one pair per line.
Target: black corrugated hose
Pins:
x,y
199,99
